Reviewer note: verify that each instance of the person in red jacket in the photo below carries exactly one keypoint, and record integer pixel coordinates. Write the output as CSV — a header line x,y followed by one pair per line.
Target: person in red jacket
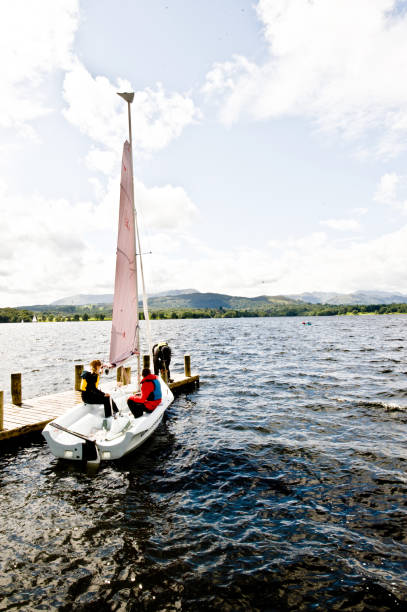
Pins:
x,y
150,396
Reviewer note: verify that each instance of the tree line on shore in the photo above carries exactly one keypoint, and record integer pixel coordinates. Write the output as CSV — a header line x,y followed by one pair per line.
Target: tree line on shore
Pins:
x,y
100,313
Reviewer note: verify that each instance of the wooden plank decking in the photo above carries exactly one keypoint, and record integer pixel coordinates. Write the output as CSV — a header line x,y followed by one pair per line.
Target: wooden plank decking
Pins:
x,y
35,413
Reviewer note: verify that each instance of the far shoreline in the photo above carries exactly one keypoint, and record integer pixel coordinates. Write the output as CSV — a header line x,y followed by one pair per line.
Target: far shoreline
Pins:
x,y
322,311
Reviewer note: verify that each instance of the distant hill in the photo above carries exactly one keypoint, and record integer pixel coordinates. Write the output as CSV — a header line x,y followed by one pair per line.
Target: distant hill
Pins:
x,y
84,299
217,300
358,297
186,299
174,292
191,299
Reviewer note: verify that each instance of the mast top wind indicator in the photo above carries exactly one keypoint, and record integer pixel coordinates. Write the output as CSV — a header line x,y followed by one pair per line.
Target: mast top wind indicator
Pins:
x,y
129,97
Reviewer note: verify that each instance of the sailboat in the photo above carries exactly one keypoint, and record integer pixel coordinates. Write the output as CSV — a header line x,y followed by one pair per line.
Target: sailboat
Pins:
x,y
34,320
79,434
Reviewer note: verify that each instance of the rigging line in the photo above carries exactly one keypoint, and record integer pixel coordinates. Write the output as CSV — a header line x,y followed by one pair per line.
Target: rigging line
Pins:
x,y
136,342
145,301
145,230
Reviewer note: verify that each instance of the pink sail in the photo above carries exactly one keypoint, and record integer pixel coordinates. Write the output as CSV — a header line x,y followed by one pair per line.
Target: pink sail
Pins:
x,y
124,336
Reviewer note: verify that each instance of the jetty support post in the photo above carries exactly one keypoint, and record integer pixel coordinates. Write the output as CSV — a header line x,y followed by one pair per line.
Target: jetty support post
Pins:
x,y
127,376
16,396
187,365
1,410
146,362
78,373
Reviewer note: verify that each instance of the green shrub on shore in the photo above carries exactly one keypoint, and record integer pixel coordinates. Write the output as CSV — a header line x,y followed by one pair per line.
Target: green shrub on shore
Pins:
x,y
14,315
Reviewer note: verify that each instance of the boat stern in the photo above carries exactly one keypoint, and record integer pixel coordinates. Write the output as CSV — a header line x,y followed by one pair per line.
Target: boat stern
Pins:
x,y
79,450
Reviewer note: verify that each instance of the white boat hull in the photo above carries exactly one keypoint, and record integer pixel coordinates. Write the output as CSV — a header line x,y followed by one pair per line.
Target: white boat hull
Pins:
x,y
126,434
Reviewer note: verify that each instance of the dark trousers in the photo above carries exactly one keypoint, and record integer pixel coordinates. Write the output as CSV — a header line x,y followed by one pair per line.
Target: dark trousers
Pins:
x,y
96,398
161,364
137,408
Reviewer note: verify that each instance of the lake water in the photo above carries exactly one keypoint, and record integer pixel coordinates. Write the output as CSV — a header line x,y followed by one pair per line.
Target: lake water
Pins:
x,y
279,485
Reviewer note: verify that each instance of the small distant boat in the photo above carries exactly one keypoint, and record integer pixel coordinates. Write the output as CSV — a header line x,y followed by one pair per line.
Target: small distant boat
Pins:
x,y
79,434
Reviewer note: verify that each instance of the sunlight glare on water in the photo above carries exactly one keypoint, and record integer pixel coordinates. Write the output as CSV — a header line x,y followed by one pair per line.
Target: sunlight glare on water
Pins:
x,y
279,485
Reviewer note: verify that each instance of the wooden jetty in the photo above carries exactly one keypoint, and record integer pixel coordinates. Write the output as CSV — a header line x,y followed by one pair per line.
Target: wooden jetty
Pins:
x,y
22,417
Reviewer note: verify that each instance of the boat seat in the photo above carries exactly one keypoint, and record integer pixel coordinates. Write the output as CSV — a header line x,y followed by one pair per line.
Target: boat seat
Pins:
x,y
95,408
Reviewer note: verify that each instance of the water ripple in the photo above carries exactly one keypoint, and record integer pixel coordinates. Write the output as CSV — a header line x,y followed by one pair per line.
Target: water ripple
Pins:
x,y
279,485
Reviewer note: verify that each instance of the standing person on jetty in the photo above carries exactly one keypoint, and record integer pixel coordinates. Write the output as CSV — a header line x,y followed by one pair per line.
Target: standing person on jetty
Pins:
x,y
162,359
150,396
90,392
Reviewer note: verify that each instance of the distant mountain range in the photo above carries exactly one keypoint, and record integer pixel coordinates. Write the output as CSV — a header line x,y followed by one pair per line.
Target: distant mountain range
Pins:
x,y
358,297
192,299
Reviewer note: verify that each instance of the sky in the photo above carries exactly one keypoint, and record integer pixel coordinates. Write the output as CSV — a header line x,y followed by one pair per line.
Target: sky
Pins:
x,y
270,144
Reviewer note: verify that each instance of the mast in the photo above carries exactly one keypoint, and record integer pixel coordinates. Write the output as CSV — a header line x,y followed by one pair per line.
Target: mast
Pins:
x,y
129,97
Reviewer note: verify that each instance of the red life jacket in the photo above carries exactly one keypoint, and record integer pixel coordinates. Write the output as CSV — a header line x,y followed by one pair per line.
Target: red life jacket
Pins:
x,y
151,393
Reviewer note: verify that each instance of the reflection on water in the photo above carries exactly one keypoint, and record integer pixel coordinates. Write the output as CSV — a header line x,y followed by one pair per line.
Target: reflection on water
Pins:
x,y
279,485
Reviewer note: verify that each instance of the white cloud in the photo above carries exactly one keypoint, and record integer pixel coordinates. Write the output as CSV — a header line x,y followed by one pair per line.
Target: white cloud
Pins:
x,y
360,211
35,41
103,161
386,191
392,191
312,262
164,208
52,248
95,109
340,64
45,248
343,225
58,256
